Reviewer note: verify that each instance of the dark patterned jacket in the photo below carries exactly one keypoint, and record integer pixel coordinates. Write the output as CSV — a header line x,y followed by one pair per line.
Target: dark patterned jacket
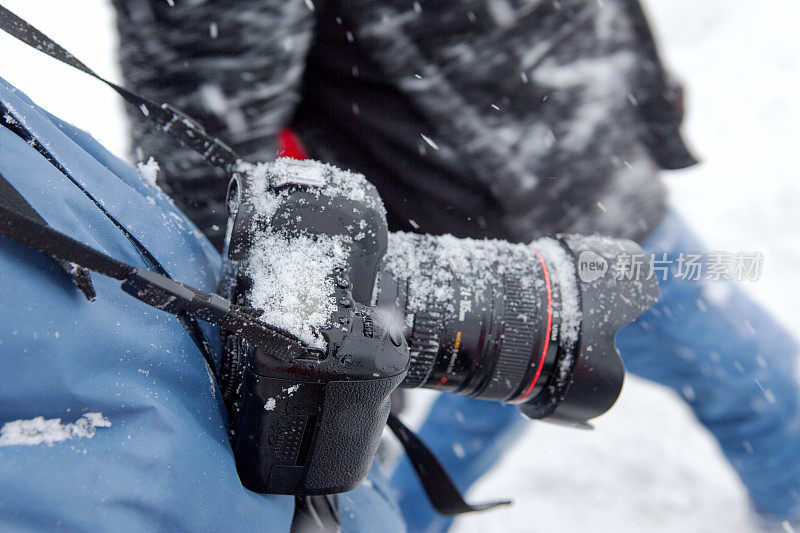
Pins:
x,y
482,118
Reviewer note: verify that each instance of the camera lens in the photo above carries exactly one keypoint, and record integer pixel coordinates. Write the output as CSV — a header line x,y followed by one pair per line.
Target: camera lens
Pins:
x,y
514,323
481,315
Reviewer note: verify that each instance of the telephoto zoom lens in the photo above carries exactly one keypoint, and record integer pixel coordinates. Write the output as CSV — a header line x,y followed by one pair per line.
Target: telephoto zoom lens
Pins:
x,y
530,325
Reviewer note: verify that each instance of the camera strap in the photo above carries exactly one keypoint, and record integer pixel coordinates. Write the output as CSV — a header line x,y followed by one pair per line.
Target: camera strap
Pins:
x,y
20,222
154,289
442,493
12,200
165,117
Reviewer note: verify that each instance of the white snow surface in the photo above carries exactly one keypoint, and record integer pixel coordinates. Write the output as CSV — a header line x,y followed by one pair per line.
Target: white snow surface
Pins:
x,y
415,259
648,467
564,275
291,282
149,171
291,273
41,430
326,180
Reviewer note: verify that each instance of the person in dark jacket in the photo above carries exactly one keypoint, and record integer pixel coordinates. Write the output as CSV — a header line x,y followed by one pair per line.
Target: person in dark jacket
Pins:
x,y
481,118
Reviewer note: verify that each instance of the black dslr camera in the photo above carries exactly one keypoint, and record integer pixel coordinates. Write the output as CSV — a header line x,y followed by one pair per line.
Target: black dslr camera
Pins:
x,y
308,252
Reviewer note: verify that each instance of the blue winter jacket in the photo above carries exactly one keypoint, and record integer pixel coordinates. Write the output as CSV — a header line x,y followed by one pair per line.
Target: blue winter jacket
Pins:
x,y
111,419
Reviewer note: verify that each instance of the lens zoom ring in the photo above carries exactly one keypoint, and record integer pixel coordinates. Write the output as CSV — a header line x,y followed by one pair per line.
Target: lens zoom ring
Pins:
x,y
423,347
518,340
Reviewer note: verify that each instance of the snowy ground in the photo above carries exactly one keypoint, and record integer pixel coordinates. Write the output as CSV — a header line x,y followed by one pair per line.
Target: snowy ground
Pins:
x,y
648,466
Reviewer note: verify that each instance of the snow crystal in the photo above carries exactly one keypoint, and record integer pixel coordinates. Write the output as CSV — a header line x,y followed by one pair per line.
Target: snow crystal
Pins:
x,y
290,273
562,270
272,403
458,449
149,171
41,430
565,365
430,141
431,266
291,282
328,181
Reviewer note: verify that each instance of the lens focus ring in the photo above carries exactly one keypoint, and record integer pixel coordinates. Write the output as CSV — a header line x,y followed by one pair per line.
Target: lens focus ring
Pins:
x,y
518,341
423,347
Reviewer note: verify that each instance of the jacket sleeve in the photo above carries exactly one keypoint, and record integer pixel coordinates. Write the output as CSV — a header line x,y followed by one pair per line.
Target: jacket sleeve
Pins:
x,y
235,66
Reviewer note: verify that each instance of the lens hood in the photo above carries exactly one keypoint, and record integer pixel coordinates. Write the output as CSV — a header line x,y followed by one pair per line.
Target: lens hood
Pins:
x,y
616,285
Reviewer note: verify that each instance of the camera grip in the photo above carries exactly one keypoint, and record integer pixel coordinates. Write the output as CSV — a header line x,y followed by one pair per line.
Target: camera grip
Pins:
x,y
307,438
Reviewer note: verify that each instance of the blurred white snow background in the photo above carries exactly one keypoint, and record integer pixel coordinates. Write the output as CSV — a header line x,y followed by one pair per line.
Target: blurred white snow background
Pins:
x,y
648,466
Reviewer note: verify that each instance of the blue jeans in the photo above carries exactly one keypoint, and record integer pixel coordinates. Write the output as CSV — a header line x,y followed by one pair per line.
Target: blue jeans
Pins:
x,y
731,362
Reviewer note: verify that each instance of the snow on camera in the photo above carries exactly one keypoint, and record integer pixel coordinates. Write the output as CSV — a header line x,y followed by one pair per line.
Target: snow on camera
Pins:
x,y
291,282
291,273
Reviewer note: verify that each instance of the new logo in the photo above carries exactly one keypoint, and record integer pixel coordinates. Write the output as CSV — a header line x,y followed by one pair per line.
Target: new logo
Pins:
x,y
591,266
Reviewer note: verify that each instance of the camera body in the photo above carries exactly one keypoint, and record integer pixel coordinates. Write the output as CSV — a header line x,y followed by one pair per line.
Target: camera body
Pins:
x,y
362,312
309,423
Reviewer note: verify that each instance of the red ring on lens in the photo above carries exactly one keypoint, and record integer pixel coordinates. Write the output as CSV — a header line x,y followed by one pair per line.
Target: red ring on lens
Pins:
x,y
549,326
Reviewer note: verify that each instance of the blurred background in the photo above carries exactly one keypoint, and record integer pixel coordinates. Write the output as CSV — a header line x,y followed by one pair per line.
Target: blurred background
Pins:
x,y
648,466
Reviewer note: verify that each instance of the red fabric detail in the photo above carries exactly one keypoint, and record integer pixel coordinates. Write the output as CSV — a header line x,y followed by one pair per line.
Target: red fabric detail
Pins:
x,y
289,145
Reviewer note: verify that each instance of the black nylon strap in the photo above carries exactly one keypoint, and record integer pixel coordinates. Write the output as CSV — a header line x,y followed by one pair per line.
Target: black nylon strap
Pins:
x,y
182,128
442,492
150,287
12,200
80,275
316,514
20,222
41,237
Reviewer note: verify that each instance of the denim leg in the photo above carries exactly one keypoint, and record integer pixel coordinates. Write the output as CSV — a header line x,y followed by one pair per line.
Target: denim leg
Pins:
x,y
468,436
733,364
708,341
371,506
